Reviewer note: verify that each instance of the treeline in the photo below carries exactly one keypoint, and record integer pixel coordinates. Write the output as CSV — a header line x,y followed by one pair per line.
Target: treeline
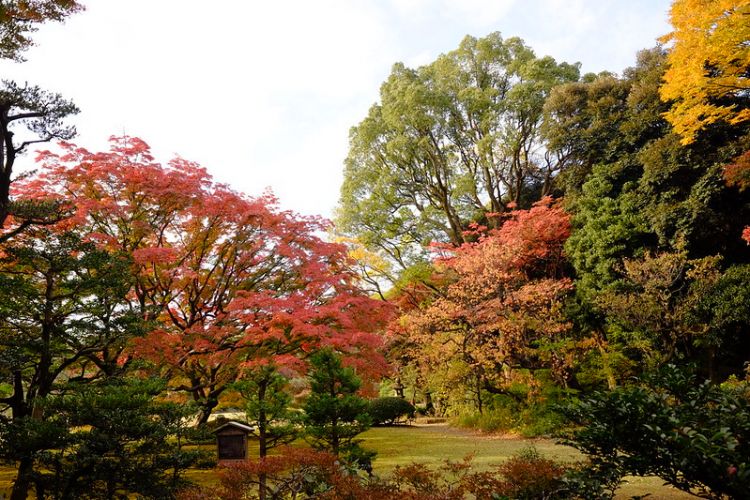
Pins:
x,y
529,218
539,246
547,235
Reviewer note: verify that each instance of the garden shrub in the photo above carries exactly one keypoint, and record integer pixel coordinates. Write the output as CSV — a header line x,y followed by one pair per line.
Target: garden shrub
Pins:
x,y
306,473
528,475
294,473
109,439
390,410
695,436
495,420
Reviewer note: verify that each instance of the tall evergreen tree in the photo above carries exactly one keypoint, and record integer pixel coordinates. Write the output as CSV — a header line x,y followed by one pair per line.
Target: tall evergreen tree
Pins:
x,y
334,414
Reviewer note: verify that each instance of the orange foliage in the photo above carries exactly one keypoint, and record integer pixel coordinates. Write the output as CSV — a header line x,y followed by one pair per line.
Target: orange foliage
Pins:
x,y
504,304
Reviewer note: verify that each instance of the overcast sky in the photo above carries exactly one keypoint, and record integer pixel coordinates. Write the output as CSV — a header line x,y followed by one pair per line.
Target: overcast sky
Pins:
x,y
263,94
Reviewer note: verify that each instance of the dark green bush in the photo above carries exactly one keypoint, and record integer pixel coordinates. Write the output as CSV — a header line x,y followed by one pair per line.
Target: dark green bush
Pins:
x,y
695,436
390,410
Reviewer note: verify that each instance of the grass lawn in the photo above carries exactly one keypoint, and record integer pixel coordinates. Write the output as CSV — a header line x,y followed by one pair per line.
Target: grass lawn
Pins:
x,y
434,443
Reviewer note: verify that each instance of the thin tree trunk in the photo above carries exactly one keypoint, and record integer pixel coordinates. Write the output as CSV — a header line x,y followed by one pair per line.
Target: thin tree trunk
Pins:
x,y
399,388
479,394
262,439
23,479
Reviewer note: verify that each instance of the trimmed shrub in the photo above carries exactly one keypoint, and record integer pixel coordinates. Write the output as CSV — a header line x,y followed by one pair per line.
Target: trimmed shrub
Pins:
x,y
390,410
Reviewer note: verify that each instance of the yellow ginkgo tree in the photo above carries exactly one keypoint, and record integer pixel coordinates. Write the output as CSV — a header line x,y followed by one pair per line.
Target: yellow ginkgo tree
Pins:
x,y
709,74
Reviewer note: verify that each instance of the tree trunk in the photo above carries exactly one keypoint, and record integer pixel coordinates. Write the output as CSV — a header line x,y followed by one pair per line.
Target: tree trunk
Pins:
x,y
429,407
262,438
206,408
23,479
7,157
480,406
399,388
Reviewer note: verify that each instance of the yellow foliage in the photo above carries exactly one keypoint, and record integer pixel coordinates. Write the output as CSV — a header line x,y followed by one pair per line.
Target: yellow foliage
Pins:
x,y
364,257
709,60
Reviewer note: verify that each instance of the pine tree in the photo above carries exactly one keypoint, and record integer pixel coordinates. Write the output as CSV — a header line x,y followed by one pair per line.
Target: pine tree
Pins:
x,y
334,414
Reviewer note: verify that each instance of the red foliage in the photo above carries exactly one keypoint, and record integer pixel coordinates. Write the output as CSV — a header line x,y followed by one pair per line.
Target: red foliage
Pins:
x,y
305,473
294,473
738,174
228,279
504,301
529,476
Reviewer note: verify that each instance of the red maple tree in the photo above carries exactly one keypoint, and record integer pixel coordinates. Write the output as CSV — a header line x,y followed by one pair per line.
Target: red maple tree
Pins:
x,y
225,280
502,310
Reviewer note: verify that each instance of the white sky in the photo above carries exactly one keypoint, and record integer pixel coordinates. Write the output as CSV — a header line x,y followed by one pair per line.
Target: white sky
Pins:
x,y
264,93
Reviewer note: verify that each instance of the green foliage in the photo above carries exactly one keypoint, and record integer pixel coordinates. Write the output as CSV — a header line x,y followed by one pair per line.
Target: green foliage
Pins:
x,y
651,314
614,119
531,413
592,482
654,229
63,323
490,420
267,407
607,227
104,440
334,414
725,304
693,435
42,114
61,303
448,143
389,410
603,120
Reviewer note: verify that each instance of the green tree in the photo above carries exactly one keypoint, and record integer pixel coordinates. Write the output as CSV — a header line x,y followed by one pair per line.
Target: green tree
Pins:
x,y
334,414
692,435
110,439
635,191
653,313
28,115
63,318
267,409
640,188
41,112
448,143
390,410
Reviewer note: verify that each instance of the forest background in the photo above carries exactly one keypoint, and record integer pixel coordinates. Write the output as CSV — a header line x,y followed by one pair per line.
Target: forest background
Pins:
x,y
517,246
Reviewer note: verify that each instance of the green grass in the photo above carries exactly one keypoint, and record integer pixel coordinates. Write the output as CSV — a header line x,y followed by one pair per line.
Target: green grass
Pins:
x,y
434,443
